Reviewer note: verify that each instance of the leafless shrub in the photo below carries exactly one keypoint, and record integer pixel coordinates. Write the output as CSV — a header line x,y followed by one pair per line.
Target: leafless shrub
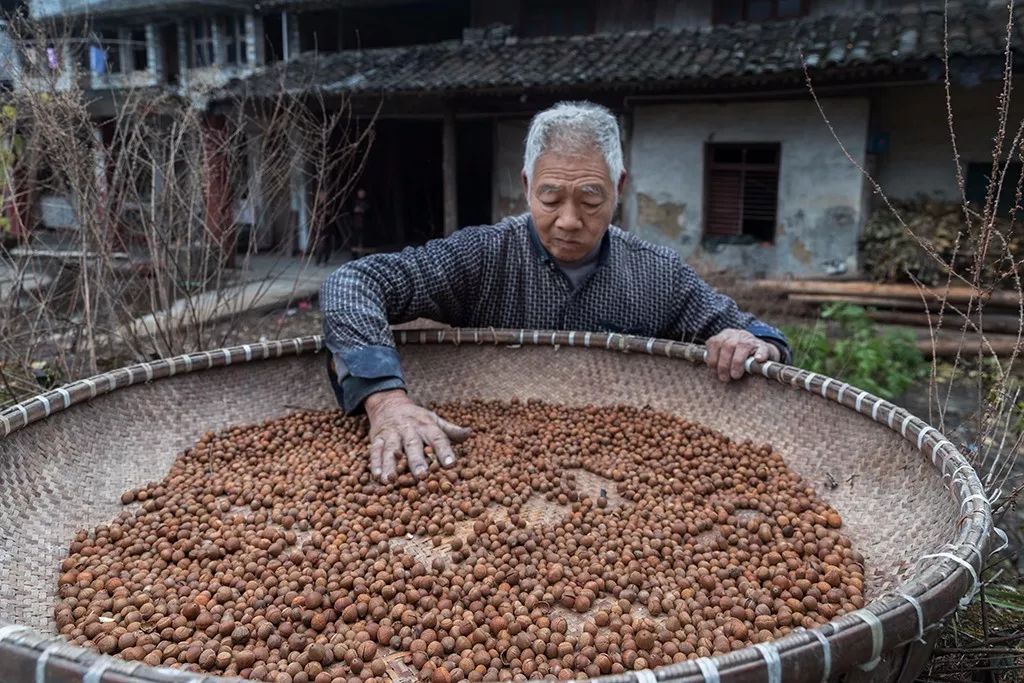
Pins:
x,y
150,267
983,641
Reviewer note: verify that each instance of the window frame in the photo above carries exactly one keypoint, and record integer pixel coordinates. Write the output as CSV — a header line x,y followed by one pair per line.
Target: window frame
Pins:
x,y
235,35
131,48
198,46
716,12
710,166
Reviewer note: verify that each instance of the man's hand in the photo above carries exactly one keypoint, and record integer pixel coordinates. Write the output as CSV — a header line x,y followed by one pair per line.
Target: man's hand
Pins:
x,y
729,350
398,425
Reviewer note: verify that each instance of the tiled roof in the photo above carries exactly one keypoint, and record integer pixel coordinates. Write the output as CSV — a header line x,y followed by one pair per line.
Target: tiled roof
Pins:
x,y
113,8
743,53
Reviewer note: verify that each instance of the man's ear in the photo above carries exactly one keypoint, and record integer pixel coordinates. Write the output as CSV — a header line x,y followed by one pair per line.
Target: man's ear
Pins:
x,y
622,183
526,185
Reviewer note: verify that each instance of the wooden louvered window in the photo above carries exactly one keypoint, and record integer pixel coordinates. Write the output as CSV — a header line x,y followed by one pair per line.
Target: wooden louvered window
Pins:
x,y
741,190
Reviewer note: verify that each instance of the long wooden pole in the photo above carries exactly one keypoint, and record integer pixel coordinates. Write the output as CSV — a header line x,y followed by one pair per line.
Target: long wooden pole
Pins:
x,y
896,291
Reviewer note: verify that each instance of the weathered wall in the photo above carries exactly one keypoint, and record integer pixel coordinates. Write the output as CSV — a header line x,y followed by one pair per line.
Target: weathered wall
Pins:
x,y
920,155
820,191
507,197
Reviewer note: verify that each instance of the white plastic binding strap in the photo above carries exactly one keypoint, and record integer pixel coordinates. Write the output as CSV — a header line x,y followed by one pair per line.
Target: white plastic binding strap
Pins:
x,y
892,416
824,386
968,499
586,339
903,427
966,600
572,338
764,366
709,670
95,672
7,424
809,380
248,351
24,413
59,644
747,364
874,410
771,660
645,676
842,392
920,613
46,404
871,620
860,400
650,347
923,433
826,654
536,337
227,358
10,629
1006,540
64,393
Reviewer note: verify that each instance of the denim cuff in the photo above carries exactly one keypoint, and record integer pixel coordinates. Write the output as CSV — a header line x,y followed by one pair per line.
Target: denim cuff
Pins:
x,y
365,371
773,337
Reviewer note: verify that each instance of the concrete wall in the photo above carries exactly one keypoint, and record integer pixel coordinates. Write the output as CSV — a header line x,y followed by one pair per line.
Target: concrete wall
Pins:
x,y
507,197
919,159
820,192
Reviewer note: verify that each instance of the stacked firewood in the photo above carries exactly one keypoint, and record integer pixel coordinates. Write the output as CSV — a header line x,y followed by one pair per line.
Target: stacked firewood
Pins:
x,y
931,235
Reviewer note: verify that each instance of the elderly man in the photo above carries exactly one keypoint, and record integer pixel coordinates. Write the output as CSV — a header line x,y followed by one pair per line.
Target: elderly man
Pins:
x,y
561,266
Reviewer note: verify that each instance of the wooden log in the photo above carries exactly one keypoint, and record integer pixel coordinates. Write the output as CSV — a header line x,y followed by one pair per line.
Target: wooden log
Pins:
x,y
957,293
887,302
993,323
1001,345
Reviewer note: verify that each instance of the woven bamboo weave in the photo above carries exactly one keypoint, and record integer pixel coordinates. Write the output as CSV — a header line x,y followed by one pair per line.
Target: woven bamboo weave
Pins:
x,y
910,502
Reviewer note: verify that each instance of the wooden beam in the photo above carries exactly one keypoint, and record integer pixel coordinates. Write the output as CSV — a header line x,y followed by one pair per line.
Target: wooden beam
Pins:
x,y
957,293
448,171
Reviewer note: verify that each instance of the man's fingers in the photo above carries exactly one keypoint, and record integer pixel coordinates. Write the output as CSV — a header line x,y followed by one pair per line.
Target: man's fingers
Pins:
x,y
739,359
441,445
454,432
724,363
414,453
376,457
392,449
713,346
761,355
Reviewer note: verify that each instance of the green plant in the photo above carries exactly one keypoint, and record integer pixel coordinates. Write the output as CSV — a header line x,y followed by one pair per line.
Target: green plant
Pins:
x,y
884,362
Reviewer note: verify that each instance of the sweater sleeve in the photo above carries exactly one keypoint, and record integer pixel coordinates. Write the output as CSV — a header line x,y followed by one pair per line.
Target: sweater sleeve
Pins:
x,y
363,298
702,313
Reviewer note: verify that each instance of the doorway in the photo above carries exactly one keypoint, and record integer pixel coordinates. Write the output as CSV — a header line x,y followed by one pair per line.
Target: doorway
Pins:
x,y
474,163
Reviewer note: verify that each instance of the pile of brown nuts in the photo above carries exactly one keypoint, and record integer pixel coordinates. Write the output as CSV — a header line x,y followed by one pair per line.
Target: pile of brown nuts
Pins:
x,y
565,542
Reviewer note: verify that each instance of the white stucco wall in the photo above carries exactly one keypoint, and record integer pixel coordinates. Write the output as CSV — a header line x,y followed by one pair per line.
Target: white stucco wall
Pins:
x,y
820,205
920,155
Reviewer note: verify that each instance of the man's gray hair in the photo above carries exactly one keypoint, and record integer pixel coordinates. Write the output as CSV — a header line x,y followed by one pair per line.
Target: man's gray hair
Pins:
x,y
573,127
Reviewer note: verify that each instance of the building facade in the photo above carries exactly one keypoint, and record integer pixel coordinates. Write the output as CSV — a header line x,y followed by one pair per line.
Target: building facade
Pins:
x,y
731,160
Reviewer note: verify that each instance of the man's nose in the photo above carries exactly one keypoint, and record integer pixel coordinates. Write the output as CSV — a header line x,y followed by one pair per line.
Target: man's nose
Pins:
x,y
569,218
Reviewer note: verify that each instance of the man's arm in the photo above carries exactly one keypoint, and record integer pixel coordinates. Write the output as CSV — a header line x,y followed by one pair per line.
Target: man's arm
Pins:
x,y
361,299
731,335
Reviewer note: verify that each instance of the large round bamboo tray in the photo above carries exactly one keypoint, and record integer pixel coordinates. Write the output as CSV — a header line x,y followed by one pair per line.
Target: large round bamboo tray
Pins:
x,y
911,503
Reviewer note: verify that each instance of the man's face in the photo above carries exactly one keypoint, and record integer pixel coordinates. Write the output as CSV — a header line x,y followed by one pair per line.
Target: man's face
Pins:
x,y
572,200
